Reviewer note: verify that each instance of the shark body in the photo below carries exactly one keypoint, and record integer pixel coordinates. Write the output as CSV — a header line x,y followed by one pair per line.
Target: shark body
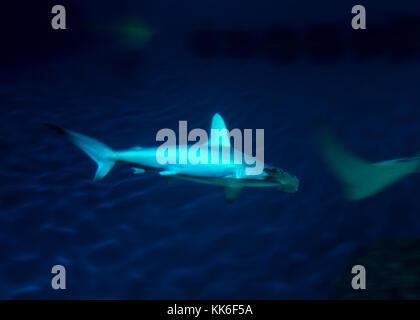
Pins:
x,y
231,176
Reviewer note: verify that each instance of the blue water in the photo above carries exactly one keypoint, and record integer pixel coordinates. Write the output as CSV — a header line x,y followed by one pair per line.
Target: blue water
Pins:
x,y
139,237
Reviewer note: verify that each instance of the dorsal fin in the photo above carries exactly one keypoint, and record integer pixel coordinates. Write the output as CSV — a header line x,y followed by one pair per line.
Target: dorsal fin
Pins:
x,y
217,123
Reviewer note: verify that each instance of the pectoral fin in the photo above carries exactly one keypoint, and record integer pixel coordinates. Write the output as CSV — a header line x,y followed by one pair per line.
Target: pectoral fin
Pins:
x,y
169,176
167,173
232,193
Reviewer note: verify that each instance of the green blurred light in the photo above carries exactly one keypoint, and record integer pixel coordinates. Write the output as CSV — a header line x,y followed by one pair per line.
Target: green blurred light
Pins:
x,y
134,32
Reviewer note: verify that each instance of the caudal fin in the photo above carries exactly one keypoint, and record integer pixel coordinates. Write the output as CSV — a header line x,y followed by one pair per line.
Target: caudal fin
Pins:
x,y
97,151
359,177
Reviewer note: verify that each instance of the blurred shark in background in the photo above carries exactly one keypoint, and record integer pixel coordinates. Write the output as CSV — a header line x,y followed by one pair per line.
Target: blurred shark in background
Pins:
x,y
361,178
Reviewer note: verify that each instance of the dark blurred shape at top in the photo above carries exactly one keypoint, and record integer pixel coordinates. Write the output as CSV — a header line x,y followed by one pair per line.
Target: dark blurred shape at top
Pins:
x,y
403,33
323,43
280,44
239,43
396,39
370,43
232,43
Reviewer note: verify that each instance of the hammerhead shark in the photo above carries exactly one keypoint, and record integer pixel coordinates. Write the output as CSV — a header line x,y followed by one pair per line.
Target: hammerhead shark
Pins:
x,y
232,175
361,178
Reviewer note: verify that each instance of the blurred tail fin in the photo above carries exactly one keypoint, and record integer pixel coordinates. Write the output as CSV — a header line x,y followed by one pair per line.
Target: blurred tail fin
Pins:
x,y
359,177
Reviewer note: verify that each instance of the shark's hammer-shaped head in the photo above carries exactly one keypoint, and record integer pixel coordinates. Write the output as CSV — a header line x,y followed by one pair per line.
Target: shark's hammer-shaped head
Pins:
x,y
286,182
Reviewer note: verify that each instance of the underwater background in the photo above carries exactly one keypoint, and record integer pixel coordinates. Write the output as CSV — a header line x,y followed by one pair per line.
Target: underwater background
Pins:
x,y
125,69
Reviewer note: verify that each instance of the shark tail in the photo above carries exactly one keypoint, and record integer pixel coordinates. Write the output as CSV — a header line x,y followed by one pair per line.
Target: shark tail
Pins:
x,y
97,151
361,178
